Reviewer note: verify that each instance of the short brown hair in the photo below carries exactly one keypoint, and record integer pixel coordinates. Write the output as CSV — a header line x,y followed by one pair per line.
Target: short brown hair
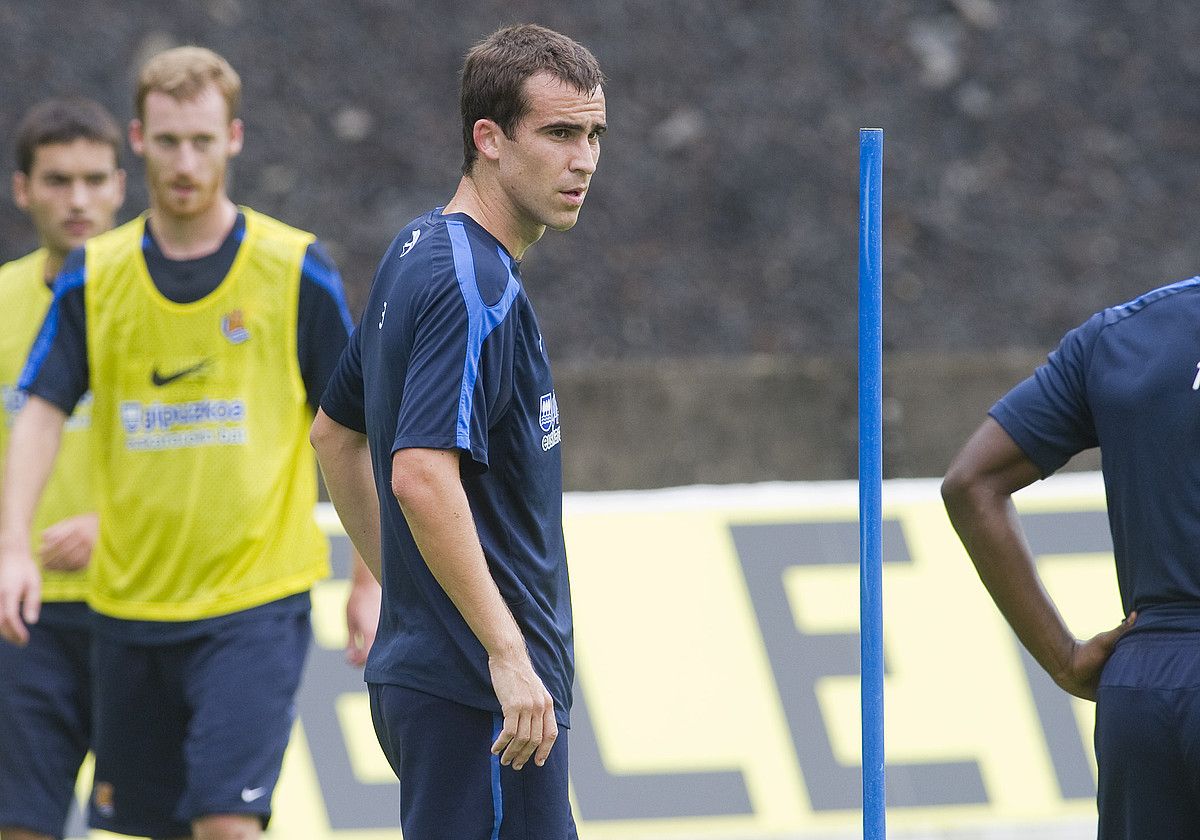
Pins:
x,y
495,70
182,73
64,121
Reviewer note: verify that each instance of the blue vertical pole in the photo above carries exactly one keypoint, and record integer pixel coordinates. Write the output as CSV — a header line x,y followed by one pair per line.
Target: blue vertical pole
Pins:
x,y
870,475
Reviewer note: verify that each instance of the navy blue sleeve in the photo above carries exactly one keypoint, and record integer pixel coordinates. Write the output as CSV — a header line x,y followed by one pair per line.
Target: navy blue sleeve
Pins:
x,y
459,375
1048,415
57,367
343,397
323,324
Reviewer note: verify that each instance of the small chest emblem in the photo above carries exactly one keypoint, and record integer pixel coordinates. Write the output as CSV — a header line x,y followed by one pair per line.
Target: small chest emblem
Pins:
x,y
548,413
233,327
548,420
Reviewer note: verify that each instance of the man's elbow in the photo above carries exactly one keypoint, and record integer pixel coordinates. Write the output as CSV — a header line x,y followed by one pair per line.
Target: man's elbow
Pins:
x,y
418,475
329,437
319,432
963,488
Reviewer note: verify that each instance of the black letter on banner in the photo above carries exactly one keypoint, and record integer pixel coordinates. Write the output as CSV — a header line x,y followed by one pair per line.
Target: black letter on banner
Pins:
x,y
643,796
1068,532
350,803
799,661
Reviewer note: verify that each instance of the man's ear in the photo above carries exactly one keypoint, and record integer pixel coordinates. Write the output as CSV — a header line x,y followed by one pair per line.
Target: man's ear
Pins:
x,y
20,190
137,137
488,135
237,135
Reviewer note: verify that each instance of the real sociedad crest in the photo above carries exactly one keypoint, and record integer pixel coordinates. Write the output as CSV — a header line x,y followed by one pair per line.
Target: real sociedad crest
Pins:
x,y
233,327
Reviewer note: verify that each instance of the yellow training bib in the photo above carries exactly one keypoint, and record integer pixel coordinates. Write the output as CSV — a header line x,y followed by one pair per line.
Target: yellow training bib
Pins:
x,y
207,483
24,299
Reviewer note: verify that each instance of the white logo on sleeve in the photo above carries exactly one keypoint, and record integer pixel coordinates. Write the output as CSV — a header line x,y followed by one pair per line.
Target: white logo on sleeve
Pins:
x,y
548,420
251,794
1196,381
408,246
383,314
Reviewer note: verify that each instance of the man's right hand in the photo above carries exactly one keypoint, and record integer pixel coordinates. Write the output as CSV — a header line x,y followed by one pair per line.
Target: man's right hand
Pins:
x,y
1082,677
20,594
529,724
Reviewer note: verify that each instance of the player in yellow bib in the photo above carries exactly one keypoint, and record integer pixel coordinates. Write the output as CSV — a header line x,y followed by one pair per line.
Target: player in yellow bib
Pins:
x,y
69,182
206,333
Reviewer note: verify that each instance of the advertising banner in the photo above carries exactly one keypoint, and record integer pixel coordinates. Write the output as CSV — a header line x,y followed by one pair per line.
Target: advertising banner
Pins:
x,y
717,693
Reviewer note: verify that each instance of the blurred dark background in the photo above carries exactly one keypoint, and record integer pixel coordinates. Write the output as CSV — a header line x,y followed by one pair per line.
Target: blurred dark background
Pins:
x,y
1039,164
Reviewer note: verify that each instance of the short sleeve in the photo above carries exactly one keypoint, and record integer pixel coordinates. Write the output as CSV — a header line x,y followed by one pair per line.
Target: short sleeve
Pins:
x,y
343,396
323,322
57,367
1049,415
459,376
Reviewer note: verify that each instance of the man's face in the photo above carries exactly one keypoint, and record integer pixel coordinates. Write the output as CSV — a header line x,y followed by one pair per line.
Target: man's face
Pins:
x,y
187,145
546,167
72,192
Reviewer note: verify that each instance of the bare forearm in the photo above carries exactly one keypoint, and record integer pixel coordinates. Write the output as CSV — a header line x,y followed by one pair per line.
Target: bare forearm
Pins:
x,y
439,516
427,486
361,574
990,532
345,460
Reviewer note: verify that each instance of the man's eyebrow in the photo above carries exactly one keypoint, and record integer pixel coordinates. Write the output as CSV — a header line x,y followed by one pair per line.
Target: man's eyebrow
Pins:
x,y
599,128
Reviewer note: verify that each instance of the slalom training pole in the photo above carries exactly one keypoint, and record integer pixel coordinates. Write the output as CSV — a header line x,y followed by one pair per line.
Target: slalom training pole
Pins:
x,y
870,475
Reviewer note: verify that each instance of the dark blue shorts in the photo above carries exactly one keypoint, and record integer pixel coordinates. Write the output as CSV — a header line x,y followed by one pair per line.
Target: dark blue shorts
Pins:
x,y
193,728
450,783
45,719
1148,738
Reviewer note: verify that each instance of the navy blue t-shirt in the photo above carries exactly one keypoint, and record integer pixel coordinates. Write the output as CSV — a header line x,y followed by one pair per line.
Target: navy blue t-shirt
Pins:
x,y
1128,381
449,356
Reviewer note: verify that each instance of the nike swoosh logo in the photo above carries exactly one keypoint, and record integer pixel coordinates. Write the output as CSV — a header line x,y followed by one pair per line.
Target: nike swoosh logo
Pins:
x,y
250,794
159,380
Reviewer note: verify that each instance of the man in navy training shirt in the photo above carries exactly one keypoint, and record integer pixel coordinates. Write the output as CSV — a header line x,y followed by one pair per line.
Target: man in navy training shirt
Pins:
x,y
444,398
1127,381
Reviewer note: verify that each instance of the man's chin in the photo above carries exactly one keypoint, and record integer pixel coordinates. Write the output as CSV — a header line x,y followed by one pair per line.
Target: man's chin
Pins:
x,y
563,223
187,209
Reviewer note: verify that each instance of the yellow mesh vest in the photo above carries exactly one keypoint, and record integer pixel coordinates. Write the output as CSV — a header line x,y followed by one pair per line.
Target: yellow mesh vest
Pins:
x,y
207,482
24,299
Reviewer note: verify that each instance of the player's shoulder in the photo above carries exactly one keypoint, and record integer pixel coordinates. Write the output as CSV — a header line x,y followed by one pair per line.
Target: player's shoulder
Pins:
x,y
479,260
23,270
271,232
1182,291
415,249
117,242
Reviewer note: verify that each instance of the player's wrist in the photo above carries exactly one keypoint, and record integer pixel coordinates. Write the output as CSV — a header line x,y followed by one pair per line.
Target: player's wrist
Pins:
x,y
510,653
14,544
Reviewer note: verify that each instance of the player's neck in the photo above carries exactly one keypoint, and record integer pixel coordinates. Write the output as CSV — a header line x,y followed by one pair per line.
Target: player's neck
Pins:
x,y
54,263
488,205
191,237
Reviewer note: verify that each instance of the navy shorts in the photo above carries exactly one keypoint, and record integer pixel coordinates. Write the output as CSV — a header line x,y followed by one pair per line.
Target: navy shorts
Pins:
x,y
45,719
193,728
1148,738
450,783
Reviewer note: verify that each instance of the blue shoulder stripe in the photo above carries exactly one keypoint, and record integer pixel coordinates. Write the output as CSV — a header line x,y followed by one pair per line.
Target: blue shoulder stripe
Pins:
x,y
481,320
67,281
319,268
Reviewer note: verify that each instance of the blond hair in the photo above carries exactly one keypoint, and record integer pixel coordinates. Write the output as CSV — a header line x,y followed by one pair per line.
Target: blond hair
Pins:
x,y
182,73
